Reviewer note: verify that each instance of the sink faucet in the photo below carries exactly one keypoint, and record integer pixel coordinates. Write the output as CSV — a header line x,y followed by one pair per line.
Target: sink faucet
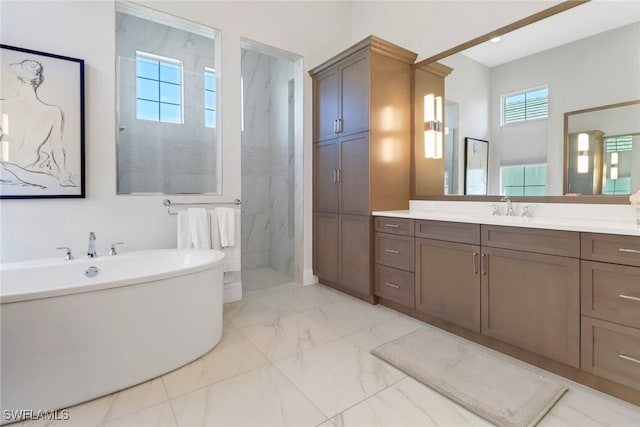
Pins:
x,y
91,251
510,211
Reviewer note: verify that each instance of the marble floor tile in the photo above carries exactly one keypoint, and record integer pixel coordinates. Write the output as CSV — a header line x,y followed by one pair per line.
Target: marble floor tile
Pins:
x,y
408,403
287,335
156,416
376,335
337,375
232,356
581,406
282,287
263,277
252,311
262,397
309,297
136,398
346,316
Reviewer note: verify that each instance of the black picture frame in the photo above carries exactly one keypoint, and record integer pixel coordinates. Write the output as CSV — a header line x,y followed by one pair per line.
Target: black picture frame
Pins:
x,y
42,127
476,163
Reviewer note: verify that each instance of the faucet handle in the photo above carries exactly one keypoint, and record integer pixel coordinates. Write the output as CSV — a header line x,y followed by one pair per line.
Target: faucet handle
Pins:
x,y
526,211
112,251
68,254
496,209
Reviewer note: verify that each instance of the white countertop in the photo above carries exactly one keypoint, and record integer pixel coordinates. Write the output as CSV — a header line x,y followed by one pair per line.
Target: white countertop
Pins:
x,y
611,219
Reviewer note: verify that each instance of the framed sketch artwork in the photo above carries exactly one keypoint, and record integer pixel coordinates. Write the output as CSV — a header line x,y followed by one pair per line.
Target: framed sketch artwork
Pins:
x,y
42,125
475,166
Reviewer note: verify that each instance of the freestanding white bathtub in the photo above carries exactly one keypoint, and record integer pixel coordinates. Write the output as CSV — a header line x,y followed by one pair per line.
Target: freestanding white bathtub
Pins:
x,y
67,338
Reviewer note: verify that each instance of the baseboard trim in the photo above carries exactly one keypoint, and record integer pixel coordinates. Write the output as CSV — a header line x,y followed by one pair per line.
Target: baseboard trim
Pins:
x,y
308,278
232,292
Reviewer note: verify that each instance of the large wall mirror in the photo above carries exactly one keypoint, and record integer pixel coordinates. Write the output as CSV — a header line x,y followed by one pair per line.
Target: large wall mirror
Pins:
x,y
514,93
167,91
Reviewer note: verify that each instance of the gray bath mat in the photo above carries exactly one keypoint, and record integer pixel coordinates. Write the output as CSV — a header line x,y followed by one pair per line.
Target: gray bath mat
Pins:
x,y
483,381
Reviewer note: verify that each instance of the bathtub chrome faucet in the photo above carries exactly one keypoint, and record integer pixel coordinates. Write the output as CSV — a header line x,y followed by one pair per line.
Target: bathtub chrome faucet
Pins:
x,y
91,251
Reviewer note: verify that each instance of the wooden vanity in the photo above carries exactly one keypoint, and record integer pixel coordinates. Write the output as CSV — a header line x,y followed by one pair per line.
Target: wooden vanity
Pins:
x,y
541,295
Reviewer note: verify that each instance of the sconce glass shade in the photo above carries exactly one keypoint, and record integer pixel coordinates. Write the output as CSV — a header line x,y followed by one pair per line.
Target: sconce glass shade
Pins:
x,y
433,127
583,142
614,158
614,172
583,163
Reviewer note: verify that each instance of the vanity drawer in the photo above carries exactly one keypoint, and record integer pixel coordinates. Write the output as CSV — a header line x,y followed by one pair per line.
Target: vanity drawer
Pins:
x,y
395,251
394,225
395,285
611,351
611,248
459,232
611,292
542,241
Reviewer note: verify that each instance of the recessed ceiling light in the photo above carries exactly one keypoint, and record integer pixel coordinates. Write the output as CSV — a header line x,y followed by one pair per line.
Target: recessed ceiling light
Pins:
x,y
495,40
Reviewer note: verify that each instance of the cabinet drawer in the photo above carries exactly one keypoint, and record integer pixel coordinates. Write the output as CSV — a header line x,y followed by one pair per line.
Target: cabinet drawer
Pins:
x,y
402,226
395,251
611,292
395,285
611,248
459,232
542,241
611,351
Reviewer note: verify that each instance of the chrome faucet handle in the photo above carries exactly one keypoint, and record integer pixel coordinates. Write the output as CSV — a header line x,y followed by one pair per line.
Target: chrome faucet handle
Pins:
x,y
496,209
112,251
526,211
510,211
67,255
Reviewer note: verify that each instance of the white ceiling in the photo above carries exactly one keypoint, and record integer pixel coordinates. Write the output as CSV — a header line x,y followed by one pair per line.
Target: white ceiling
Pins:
x,y
574,24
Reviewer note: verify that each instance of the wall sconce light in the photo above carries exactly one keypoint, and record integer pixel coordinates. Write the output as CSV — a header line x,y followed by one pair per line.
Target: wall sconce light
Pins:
x,y
433,127
583,153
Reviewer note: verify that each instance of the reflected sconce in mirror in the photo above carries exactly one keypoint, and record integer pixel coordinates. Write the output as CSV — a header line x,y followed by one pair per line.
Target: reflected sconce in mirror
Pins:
x,y
433,127
613,172
583,153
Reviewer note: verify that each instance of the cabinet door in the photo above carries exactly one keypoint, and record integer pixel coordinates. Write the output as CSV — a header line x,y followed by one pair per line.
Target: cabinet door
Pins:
x,y
532,301
354,94
325,246
355,253
325,176
354,174
448,282
326,94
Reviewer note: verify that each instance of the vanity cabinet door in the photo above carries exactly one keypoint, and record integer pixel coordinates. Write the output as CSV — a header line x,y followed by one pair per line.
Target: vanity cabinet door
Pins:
x,y
448,282
532,301
354,94
355,254
325,246
325,176
326,93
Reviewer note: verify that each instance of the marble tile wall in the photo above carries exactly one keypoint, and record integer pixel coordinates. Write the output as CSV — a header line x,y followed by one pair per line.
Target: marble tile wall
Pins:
x,y
165,157
267,162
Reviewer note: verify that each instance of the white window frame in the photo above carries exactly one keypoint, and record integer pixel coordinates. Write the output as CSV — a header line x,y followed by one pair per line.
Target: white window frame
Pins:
x,y
504,97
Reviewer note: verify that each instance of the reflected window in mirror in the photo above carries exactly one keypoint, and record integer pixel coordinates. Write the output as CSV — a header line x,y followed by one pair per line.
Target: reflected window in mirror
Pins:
x,y
167,106
619,157
527,105
523,180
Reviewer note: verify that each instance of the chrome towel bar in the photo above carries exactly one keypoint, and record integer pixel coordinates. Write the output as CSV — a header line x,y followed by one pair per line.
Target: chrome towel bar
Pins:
x,y
168,203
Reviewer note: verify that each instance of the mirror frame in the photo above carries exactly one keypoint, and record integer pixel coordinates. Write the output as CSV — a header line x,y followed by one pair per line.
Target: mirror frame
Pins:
x,y
561,7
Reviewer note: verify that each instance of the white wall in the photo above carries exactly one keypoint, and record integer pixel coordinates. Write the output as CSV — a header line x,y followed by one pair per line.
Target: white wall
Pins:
x,y
86,29
316,30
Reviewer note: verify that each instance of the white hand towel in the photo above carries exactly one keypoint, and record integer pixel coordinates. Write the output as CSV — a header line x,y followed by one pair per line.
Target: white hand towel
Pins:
x,y
232,254
184,231
215,230
200,232
226,222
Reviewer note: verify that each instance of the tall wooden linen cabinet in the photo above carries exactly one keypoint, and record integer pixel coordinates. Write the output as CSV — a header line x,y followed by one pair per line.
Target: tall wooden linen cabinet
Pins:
x,y
361,157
